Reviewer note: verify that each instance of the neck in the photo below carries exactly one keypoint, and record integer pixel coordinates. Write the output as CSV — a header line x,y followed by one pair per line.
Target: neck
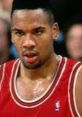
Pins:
x,y
45,71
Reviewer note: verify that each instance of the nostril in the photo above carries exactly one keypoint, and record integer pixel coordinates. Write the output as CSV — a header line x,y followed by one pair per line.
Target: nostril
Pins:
x,y
29,44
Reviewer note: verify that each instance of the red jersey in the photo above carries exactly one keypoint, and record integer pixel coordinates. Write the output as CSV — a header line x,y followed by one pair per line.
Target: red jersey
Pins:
x,y
57,101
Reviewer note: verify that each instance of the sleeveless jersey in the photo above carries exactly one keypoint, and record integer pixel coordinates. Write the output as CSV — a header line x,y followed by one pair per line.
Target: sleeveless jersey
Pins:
x,y
57,101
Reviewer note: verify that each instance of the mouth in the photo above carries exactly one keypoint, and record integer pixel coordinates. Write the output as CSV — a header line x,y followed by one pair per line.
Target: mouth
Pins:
x,y
30,57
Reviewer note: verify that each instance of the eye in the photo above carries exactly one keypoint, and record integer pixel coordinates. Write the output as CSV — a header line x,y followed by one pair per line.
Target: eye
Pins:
x,y
18,32
38,31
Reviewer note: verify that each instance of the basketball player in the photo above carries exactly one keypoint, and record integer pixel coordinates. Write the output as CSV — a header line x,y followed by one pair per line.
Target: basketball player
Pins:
x,y
39,83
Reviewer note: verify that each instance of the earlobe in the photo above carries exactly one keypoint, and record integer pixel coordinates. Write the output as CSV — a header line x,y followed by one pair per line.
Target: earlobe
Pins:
x,y
55,31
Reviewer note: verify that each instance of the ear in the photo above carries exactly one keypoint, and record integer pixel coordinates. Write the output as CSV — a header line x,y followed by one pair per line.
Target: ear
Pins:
x,y
55,31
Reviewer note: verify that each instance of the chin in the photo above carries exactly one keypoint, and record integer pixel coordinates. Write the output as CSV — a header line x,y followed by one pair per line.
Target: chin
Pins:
x,y
32,66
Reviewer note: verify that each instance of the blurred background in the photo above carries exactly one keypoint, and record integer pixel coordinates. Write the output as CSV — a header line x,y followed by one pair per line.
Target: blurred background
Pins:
x,y
65,10
67,13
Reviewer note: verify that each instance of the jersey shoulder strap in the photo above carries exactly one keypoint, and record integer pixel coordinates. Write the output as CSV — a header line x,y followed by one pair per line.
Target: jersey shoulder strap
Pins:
x,y
5,70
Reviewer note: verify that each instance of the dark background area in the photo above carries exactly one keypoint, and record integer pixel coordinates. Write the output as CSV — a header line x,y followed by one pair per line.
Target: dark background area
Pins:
x,y
65,10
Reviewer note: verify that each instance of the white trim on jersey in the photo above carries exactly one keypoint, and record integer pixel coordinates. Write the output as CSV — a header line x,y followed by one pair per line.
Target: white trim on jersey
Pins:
x,y
74,97
3,73
69,88
12,75
63,69
37,98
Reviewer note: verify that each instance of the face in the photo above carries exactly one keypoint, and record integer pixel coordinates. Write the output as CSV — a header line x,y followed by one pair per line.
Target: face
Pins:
x,y
32,36
4,47
74,42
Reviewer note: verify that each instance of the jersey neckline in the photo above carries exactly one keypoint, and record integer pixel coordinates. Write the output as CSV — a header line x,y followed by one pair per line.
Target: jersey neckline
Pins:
x,y
30,104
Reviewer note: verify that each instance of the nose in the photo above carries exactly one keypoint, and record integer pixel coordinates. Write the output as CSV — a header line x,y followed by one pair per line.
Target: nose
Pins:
x,y
29,42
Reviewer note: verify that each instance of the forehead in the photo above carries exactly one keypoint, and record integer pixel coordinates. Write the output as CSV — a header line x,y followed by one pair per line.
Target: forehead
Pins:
x,y
30,17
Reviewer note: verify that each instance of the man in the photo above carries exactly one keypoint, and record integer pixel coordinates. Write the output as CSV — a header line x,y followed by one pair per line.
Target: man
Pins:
x,y
40,83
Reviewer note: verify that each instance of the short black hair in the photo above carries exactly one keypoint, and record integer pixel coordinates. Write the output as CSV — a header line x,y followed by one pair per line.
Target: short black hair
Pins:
x,y
45,5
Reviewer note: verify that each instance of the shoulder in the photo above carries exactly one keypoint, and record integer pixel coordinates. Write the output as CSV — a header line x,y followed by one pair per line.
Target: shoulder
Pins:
x,y
7,67
78,90
70,63
69,60
75,85
8,64
6,70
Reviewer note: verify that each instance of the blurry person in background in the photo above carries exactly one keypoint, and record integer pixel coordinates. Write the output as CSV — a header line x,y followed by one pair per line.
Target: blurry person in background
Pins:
x,y
6,4
73,40
5,41
5,8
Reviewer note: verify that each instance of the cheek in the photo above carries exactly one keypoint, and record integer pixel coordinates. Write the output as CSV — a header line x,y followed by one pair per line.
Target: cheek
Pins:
x,y
15,39
46,47
17,44
19,48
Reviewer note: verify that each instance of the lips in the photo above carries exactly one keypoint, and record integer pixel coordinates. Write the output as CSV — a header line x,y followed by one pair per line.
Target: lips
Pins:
x,y
30,57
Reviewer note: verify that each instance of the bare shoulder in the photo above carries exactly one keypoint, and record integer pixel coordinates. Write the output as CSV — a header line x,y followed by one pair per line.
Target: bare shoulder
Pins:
x,y
78,92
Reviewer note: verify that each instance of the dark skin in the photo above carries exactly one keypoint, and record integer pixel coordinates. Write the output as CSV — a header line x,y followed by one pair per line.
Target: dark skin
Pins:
x,y
33,39
29,35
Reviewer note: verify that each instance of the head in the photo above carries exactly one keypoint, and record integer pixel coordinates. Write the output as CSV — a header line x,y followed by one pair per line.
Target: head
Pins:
x,y
73,41
33,30
5,41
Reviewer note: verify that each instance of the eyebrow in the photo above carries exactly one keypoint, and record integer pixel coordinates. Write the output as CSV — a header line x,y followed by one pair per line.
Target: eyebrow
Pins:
x,y
38,27
16,29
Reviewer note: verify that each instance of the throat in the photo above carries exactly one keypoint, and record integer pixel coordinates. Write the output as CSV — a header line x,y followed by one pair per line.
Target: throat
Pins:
x,y
32,86
43,71
33,90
